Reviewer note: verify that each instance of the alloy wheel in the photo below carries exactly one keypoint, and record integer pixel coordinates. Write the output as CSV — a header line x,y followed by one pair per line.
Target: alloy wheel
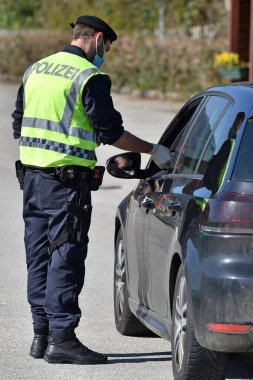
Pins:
x,y
120,279
180,320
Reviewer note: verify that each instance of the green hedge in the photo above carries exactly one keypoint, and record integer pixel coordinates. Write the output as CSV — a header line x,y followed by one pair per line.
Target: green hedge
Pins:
x,y
20,50
135,63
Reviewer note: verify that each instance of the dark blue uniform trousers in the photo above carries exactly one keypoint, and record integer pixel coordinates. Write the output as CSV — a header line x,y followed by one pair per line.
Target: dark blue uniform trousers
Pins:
x,y
54,282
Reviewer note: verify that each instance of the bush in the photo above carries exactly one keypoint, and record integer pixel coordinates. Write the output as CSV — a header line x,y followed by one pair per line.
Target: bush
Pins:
x,y
180,64
19,50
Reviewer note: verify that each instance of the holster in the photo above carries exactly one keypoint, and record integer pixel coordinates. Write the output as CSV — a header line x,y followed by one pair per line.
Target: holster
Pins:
x,y
82,217
20,173
83,182
81,214
96,177
73,175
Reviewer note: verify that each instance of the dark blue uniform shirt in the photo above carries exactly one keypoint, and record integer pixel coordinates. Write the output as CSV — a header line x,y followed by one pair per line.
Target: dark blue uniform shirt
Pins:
x,y
97,102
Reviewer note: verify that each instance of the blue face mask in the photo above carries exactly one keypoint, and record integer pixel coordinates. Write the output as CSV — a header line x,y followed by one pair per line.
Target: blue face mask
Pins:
x,y
98,61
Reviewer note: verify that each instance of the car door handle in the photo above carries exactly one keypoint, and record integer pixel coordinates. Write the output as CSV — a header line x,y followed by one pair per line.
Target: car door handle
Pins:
x,y
148,203
175,207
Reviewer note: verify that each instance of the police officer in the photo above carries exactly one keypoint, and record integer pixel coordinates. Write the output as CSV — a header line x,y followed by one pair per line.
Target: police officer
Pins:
x,y
63,112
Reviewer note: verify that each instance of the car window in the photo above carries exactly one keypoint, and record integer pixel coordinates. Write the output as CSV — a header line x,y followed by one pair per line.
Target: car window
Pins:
x,y
223,142
173,135
196,139
216,140
243,169
180,124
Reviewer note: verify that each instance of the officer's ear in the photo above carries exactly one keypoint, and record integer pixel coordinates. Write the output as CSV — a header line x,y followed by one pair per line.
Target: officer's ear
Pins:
x,y
99,38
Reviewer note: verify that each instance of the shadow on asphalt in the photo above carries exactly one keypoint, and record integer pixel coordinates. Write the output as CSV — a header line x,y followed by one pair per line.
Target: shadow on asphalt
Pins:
x,y
140,357
240,367
110,187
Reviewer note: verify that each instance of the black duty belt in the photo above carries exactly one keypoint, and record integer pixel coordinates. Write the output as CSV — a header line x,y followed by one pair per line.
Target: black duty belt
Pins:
x,y
71,174
78,176
56,170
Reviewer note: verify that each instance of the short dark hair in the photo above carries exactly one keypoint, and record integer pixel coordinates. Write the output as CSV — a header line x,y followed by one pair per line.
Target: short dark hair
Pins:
x,y
83,31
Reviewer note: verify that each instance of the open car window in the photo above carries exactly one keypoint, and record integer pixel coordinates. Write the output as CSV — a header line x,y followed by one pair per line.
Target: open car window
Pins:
x,y
174,134
195,141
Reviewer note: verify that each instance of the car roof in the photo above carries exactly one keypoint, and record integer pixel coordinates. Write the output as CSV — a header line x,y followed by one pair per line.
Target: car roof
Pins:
x,y
232,89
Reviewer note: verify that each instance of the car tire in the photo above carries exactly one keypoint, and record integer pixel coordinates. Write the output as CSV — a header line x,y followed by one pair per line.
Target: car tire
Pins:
x,y
126,323
190,361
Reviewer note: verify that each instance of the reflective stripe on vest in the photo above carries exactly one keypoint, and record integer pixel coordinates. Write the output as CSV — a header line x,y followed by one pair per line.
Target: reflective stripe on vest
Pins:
x,y
71,150
71,134
59,127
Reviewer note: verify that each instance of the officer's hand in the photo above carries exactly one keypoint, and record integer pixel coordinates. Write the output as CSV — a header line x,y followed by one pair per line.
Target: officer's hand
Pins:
x,y
161,156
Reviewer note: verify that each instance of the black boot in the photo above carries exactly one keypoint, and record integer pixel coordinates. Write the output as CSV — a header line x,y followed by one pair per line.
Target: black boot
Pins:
x,y
71,351
38,346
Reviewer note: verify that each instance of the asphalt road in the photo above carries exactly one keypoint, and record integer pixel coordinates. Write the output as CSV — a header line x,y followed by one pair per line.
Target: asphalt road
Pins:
x,y
130,358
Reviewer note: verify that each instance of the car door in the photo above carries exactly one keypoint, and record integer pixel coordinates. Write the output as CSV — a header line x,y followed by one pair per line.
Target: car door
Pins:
x,y
172,196
139,214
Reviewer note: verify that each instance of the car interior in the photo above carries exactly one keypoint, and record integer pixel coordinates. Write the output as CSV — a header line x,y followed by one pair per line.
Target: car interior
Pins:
x,y
172,138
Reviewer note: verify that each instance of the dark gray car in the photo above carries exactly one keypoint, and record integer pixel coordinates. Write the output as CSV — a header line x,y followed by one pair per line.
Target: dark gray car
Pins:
x,y
184,236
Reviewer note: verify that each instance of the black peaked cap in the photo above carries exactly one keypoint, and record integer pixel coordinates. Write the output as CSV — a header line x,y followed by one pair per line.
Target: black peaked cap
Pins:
x,y
98,24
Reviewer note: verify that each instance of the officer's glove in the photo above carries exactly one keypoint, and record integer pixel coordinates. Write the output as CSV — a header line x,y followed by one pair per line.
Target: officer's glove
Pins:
x,y
161,156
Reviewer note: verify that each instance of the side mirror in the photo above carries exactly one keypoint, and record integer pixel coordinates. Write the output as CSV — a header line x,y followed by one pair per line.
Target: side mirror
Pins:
x,y
124,165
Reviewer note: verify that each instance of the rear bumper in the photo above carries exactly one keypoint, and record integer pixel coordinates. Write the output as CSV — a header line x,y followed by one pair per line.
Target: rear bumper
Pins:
x,y
220,278
227,342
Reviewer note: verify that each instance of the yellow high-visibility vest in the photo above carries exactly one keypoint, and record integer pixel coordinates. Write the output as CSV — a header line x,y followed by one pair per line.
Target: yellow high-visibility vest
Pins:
x,y
55,129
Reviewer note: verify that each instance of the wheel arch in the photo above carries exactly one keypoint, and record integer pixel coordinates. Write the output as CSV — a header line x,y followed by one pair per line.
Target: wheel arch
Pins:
x,y
174,268
120,219
117,228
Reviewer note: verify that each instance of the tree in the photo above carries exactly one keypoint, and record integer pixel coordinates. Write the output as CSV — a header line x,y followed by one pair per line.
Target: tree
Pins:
x,y
129,16
125,15
191,13
18,14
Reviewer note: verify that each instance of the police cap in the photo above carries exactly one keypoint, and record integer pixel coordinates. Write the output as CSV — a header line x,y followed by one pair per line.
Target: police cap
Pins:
x,y
97,24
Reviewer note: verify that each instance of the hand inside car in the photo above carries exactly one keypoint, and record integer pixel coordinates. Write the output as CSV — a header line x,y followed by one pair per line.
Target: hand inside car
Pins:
x,y
161,156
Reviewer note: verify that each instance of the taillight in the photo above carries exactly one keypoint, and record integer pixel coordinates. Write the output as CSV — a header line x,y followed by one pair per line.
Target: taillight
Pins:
x,y
229,328
228,213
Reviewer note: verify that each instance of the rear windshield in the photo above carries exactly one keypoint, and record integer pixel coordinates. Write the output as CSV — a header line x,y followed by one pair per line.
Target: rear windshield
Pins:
x,y
243,169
